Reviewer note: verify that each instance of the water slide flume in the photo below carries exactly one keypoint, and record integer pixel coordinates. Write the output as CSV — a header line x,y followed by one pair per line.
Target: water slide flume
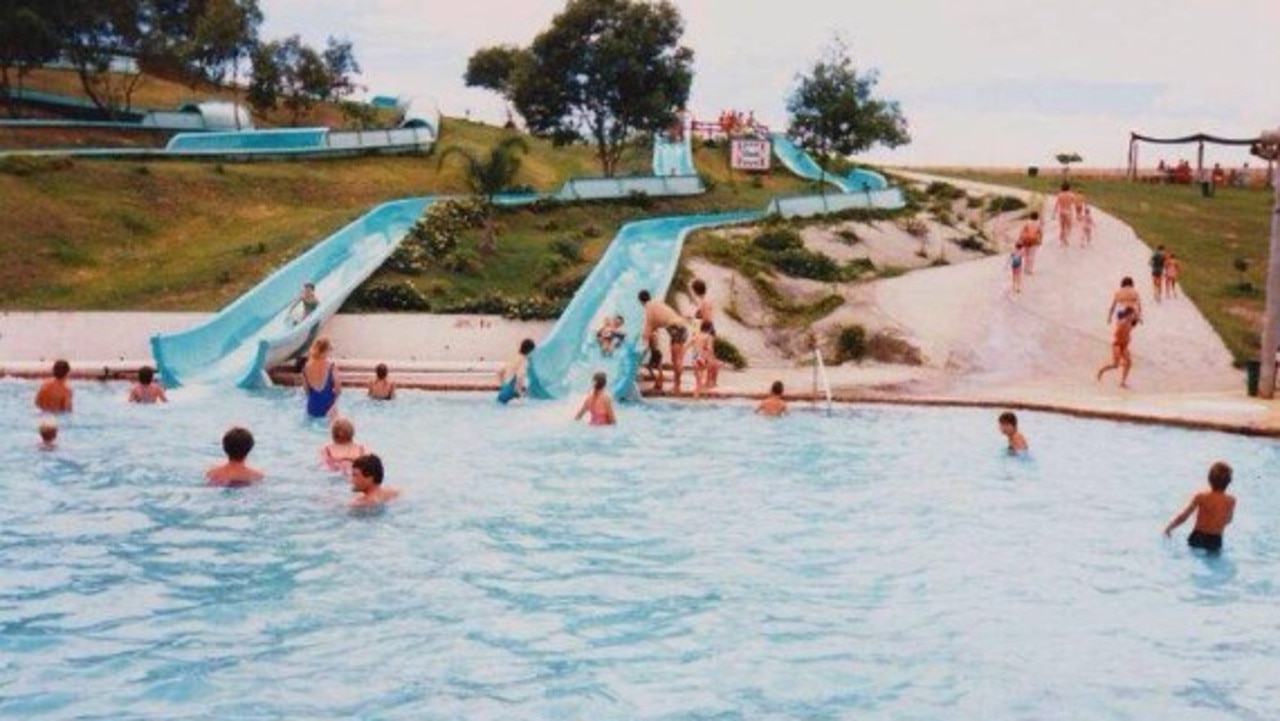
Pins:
x,y
802,164
672,158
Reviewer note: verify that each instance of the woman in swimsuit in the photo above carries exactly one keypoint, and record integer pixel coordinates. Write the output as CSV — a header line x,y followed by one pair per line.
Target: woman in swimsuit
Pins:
x,y
320,379
597,404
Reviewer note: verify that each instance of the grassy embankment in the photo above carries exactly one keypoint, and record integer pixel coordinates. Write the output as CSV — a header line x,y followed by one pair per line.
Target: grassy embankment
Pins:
x,y
192,236
1207,234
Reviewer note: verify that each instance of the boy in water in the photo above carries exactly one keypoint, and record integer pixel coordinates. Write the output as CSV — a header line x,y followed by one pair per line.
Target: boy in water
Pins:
x,y
1009,427
48,435
54,395
1214,509
366,481
512,379
236,443
1121,332
381,389
146,390
773,405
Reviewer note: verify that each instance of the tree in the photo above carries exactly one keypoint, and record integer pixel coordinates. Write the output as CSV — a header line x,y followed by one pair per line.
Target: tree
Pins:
x,y
27,39
1066,159
222,35
605,70
834,110
93,35
297,76
489,175
340,64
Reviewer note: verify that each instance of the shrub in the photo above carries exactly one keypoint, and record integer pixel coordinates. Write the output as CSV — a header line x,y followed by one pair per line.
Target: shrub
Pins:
x,y
728,353
708,182
567,248
409,259
1005,204
465,262
915,227
973,243
24,166
640,199
591,231
944,191
850,344
564,288
142,170
804,263
389,296
777,241
857,267
848,236
973,203
887,347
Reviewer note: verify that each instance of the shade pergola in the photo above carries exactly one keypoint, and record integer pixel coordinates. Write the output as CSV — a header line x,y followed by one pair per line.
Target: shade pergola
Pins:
x,y
1199,139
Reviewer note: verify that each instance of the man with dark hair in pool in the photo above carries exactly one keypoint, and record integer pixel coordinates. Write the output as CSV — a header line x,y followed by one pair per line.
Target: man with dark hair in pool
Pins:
x,y
773,404
366,481
54,395
660,315
236,443
1214,509
1009,427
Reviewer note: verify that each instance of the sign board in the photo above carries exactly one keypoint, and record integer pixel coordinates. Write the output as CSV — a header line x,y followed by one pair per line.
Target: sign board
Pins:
x,y
750,154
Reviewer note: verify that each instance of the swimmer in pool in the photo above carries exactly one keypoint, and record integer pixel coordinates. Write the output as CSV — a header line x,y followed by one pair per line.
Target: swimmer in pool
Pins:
x,y
48,429
236,443
320,380
147,390
597,404
338,454
54,395
773,404
366,482
1009,427
381,389
1213,509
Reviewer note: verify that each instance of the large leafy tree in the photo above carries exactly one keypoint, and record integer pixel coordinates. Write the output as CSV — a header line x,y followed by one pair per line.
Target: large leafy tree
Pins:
x,y
93,34
605,70
834,110
489,174
27,39
290,73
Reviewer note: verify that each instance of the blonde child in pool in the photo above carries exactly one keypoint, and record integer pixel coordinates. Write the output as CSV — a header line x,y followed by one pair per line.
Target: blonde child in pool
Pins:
x,y
338,454
48,430
366,482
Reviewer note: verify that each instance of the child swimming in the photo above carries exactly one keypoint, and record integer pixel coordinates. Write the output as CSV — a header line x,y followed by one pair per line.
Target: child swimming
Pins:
x,y
338,454
236,443
1214,510
147,390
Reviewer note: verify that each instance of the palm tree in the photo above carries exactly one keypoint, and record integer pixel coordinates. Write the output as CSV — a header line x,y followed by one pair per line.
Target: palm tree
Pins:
x,y
488,175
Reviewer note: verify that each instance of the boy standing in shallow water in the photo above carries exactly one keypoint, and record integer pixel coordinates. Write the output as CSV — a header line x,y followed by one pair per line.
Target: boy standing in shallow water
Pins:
x,y
773,405
1009,427
236,443
1214,509
366,482
54,395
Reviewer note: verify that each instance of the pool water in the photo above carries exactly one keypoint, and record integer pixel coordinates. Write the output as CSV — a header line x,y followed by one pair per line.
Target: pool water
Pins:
x,y
697,562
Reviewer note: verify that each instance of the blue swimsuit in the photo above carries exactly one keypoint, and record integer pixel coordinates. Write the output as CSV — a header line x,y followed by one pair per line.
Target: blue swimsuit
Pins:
x,y
320,400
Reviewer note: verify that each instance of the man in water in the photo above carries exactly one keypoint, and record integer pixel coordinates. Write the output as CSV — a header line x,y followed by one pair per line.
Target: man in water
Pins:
x,y
773,404
366,482
660,315
54,395
236,443
1009,427
1214,510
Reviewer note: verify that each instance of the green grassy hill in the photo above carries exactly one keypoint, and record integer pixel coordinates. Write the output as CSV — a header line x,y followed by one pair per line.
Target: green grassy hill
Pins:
x,y
169,235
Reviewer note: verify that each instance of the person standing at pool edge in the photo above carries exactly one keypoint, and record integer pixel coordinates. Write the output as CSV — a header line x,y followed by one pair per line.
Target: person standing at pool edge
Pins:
x,y
54,395
660,315
320,379
1214,509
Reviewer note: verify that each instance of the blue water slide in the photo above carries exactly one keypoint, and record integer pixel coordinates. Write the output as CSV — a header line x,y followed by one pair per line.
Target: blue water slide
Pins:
x,y
237,344
672,158
642,256
800,163
282,139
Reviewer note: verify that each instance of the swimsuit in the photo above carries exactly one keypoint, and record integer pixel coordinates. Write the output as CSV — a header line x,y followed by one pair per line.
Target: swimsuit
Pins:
x,y
1015,261
1211,542
309,306
678,333
598,416
320,400
508,392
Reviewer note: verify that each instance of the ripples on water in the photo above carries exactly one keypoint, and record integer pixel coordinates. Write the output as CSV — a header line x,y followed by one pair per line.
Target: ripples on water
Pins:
x,y
696,562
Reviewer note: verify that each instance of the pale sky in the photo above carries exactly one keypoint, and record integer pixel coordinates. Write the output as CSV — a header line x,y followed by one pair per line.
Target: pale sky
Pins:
x,y
981,82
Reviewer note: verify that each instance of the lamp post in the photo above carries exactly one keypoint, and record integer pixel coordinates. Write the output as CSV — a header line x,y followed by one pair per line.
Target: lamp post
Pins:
x,y
1268,148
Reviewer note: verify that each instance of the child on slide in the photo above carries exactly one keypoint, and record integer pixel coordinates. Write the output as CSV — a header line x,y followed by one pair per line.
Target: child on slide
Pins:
x,y
610,335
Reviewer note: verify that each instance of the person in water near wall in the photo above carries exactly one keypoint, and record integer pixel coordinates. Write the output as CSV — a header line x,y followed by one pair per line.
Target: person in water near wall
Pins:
x,y
1009,427
598,406
381,389
147,390
320,379
1214,510
513,378
773,405
660,315
307,300
236,443
54,395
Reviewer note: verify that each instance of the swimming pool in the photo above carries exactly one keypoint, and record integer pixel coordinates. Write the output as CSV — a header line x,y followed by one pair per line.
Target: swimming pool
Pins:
x,y
696,562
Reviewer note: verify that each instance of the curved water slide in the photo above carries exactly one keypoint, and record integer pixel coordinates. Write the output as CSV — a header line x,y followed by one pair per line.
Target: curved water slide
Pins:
x,y
800,163
643,256
239,343
672,158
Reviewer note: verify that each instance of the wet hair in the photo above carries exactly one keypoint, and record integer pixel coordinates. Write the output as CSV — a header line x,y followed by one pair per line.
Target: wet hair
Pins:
x,y
776,388
599,380
708,327
320,347
48,431
146,374
237,443
644,296
1066,185
61,369
370,465
699,287
1126,282
342,430
1008,419
526,346
1219,476
1035,215
380,371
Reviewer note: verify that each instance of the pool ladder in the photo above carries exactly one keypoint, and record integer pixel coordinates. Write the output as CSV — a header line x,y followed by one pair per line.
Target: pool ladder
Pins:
x,y
820,374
